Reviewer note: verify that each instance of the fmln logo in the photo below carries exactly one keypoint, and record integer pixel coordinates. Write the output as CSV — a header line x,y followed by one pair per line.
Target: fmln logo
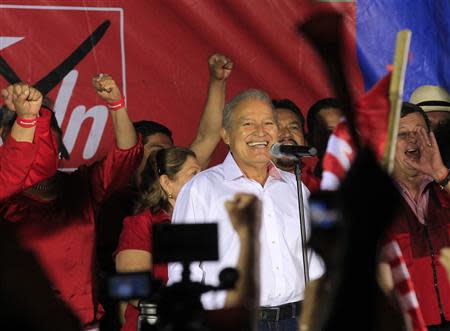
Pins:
x,y
58,50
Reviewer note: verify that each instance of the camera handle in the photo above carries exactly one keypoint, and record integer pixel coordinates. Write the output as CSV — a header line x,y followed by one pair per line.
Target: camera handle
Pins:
x,y
180,303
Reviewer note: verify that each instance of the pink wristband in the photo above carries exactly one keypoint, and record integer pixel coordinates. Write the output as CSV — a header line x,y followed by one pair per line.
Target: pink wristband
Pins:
x,y
26,122
116,105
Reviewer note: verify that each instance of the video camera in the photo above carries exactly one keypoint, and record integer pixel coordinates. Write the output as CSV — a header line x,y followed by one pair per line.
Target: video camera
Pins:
x,y
178,306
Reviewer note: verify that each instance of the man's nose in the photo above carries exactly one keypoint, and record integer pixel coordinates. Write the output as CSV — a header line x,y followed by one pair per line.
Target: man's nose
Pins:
x,y
284,132
412,135
260,130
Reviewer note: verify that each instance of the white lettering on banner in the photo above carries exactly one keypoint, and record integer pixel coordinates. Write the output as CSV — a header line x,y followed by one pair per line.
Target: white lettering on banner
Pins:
x,y
64,94
8,41
99,115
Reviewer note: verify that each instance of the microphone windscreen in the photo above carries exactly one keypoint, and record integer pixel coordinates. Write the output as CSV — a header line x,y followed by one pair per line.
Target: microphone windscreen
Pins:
x,y
275,150
313,151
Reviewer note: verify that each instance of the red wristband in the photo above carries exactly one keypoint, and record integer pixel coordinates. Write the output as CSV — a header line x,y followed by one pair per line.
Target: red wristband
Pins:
x,y
116,105
26,122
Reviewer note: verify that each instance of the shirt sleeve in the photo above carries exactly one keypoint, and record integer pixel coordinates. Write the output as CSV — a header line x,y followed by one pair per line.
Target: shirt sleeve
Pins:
x,y
136,234
46,159
23,164
114,171
14,167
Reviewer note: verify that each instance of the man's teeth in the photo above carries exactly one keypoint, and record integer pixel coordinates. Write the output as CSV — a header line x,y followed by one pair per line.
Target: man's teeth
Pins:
x,y
413,152
257,143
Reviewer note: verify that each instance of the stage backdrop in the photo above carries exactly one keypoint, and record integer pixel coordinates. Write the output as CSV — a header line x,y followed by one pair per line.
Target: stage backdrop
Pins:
x,y
378,22
158,51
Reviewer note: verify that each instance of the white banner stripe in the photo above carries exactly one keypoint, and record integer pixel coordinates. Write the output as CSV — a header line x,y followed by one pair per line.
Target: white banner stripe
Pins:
x,y
340,149
409,301
391,251
400,273
329,182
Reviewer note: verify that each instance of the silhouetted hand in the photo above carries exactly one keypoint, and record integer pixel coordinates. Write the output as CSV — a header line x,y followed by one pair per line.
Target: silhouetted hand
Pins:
x,y
245,213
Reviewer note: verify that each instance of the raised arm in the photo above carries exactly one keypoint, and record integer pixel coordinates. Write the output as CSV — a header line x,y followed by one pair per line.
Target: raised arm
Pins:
x,y
108,90
245,215
123,159
26,102
208,137
29,153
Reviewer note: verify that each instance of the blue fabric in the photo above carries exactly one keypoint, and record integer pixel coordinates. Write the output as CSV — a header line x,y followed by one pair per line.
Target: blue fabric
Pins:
x,y
378,21
290,324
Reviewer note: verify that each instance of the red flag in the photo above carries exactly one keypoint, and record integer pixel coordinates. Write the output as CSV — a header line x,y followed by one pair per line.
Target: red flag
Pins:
x,y
372,115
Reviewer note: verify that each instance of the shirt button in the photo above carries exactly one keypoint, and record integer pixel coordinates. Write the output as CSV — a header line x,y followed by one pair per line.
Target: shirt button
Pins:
x,y
273,242
278,268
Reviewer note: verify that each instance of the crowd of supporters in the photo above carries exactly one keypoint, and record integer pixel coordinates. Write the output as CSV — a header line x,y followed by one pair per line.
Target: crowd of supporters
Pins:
x,y
82,227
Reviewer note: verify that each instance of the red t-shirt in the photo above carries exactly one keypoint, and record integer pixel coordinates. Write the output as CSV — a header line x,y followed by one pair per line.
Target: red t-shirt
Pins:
x,y
137,234
61,232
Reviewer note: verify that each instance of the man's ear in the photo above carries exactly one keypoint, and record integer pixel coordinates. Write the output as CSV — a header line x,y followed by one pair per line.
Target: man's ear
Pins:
x,y
225,137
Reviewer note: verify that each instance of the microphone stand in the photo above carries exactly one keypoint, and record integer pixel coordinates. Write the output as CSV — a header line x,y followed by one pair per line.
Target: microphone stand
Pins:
x,y
301,210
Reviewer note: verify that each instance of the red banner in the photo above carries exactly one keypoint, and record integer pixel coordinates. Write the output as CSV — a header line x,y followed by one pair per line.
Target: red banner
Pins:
x,y
158,51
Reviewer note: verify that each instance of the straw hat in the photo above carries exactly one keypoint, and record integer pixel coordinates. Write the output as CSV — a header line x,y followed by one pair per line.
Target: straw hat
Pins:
x,y
431,98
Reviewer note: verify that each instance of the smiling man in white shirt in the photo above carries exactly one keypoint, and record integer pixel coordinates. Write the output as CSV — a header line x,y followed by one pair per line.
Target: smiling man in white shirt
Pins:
x,y
249,128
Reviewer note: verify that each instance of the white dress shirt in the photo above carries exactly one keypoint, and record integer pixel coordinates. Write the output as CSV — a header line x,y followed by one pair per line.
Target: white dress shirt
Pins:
x,y
202,201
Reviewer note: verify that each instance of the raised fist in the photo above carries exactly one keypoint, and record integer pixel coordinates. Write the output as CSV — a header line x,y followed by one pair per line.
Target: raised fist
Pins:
x,y
220,67
23,99
245,213
106,88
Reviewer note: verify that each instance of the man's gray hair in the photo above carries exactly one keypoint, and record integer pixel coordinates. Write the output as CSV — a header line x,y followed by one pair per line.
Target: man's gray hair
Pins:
x,y
243,96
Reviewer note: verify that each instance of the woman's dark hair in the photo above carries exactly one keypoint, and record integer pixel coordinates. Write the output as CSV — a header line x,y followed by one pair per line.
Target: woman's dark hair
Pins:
x,y
166,161
410,108
7,119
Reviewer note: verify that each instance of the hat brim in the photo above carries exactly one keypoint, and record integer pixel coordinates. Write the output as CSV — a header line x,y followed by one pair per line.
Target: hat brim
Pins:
x,y
430,109
432,106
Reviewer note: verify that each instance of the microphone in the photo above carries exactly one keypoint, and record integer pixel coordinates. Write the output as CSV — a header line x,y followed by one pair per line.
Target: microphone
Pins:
x,y
293,151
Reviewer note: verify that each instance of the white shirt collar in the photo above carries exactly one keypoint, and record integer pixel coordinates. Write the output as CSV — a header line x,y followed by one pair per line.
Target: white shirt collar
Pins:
x,y
231,170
